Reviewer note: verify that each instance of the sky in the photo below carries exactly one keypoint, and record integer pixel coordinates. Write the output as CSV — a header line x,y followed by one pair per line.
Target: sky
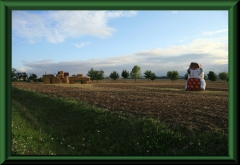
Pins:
x,y
113,40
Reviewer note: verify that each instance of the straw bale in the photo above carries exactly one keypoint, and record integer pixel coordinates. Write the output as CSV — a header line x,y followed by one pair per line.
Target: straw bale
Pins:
x,y
67,81
60,75
66,74
79,75
48,76
71,82
56,80
72,78
60,72
84,82
46,81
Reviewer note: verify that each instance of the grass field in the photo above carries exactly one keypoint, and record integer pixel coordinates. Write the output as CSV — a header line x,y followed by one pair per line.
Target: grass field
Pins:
x,y
53,120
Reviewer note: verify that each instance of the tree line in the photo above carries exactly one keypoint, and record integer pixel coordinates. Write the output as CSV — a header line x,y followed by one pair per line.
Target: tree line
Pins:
x,y
136,72
16,76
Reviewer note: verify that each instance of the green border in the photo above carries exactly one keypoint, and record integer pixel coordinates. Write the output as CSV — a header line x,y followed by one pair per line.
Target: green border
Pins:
x,y
6,6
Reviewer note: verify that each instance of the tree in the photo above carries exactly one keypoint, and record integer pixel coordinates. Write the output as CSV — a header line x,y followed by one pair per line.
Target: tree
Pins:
x,y
173,75
212,76
186,76
18,75
99,75
92,74
14,76
223,76
114,75
136,72
24,76
125,74
32,76
148,74
153,77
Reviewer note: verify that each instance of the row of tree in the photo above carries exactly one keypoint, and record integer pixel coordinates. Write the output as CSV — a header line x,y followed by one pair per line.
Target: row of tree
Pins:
x,y
136,72
23,75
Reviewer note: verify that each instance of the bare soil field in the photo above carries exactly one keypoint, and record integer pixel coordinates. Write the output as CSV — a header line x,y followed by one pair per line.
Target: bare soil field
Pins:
x,y
162,100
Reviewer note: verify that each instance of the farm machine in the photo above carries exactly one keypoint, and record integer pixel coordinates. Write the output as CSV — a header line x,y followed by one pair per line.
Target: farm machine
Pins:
x,y
62,77
195,79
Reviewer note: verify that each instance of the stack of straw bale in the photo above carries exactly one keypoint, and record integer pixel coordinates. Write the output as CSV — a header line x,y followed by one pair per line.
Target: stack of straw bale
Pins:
x,y
46,81
80,75
71,82
56,80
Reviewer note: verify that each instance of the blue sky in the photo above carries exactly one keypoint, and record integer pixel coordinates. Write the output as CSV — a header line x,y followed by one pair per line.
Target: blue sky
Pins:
x,y
160,40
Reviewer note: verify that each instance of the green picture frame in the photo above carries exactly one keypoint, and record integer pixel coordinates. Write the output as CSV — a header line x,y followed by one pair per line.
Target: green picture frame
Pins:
x,y
6,7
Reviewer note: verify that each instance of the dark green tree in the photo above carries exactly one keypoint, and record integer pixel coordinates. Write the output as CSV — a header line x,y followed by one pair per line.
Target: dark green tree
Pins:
x,y
19,75
24,76
173,75
153,77
114,75
99,75
32,77
212,76
136,72
148,74
92,74
223,76
125,74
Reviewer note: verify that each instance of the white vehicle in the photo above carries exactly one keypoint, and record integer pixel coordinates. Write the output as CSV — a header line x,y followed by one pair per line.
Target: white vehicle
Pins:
x,y
195,77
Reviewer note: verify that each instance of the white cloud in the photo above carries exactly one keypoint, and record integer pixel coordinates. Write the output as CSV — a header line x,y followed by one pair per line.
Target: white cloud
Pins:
x,y
82,44
214,32
212,53
56,26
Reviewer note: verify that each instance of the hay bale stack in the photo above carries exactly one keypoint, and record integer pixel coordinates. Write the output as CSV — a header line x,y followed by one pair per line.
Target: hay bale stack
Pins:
x,y
63,80
46,81
66,74
60,72
60,75
56,80
71,82
50,76
67,81
85,82
80,75
72,78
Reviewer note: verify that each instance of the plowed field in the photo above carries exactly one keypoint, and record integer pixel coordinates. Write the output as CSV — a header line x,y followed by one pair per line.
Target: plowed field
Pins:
x,y
165,101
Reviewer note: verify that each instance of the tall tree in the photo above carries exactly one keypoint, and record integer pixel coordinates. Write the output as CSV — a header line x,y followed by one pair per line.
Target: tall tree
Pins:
x,y
125,74
18,75
114,75
24,76
153,77
136,72
32,76
173,75
212,76
223,76
148,74
99,75
92,74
